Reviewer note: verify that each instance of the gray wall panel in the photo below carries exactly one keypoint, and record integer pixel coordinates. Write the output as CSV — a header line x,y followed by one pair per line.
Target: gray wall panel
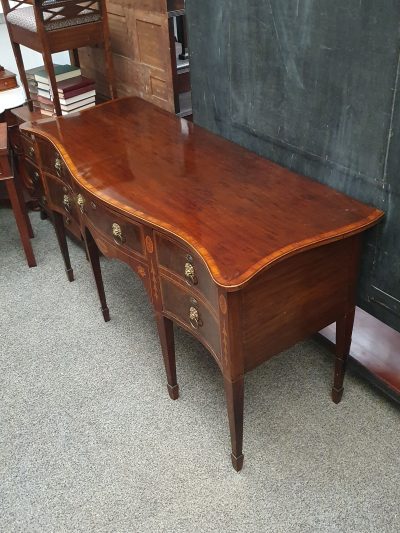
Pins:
x,y
313,85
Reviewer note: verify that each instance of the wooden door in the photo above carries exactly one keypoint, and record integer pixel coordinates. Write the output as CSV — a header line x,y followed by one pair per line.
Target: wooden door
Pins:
x,y
141,52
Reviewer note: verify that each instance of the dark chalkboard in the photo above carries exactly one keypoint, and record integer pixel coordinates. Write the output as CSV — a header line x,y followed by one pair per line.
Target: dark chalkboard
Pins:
x,y
313,85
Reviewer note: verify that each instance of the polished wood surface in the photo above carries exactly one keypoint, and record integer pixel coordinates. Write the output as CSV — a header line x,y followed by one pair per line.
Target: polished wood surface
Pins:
x,y
247,256
179,177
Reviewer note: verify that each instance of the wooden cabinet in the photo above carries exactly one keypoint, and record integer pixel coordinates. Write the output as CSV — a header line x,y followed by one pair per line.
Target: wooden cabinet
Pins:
x,y
143,52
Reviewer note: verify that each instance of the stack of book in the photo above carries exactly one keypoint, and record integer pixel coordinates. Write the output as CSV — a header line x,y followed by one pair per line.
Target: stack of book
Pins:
x,y
74,90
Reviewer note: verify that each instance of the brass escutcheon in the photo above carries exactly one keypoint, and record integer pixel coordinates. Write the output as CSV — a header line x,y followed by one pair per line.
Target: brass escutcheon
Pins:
x,y
35,177
190,274
67,203
194,318
117,233
80,200
58,165
31,152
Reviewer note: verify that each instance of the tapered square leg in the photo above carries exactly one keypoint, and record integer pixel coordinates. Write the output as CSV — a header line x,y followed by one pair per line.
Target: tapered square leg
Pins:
x,y
166,333
92,252
344,330
20,218
234,393
62,242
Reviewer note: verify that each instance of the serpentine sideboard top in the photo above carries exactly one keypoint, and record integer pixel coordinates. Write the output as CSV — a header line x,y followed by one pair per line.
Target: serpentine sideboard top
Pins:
x,y
240,212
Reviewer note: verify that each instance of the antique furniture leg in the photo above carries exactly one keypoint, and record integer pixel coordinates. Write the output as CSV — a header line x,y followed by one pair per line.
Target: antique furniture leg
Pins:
x,y
344,329
20,218
22,74
234,393
94,257
48,63
166,333
62,241
21,200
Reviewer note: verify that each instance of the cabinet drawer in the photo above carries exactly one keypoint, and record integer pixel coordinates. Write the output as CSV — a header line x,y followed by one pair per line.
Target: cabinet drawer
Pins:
x,y
53,163
188,266
123,231
28,144
33,180
61,198
181,304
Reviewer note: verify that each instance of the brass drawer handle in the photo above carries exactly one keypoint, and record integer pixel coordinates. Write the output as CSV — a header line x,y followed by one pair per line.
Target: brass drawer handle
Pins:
x,y
190,274
80,200
35,177
58,166
31,152
194,318
117,234
67,203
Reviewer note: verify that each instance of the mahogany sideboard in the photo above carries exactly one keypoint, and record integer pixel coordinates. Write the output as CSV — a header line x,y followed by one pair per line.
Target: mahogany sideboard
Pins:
x,y
247,256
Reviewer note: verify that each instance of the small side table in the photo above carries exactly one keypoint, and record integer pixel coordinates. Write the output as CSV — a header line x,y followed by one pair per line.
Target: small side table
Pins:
x,y
16,199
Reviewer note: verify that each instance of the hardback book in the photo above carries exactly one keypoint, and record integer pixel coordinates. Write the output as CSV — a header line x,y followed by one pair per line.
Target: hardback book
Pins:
x,y
92,104
80,103
46,94
74,84
44,100
77,98
30,73
43,86
48,113
77,92
62,72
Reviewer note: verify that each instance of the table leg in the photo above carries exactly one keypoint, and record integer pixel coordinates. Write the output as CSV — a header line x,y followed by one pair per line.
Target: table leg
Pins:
x,y
62,241
94,258
344,330
166,334
22,203
21,222
234,393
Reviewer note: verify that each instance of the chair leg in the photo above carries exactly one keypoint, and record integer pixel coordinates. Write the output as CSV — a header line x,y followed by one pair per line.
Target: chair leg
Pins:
x,y
22,74
48,63
21,222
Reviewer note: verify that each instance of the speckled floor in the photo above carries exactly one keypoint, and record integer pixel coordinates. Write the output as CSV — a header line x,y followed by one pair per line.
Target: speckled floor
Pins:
x,y
90,441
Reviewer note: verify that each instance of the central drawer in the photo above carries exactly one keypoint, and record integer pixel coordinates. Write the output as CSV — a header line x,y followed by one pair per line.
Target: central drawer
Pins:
x,y
53,163
62,199
180,303
125,233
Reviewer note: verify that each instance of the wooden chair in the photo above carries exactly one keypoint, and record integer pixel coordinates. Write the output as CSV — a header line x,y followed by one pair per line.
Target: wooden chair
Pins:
x,y
50,26
16,198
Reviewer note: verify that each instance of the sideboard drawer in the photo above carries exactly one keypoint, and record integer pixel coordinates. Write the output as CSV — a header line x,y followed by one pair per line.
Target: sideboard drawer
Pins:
x,y
123,231
28,144
53,163
179,303
62,198
32,179
188,266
